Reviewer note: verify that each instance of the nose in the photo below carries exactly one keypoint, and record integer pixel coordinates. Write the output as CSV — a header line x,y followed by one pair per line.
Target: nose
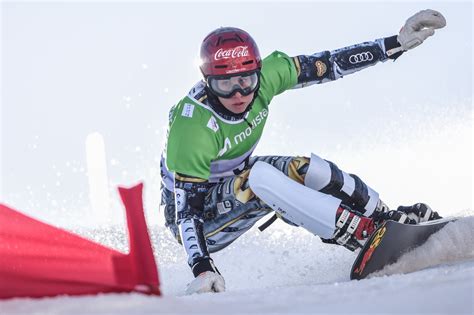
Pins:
x,y
238,95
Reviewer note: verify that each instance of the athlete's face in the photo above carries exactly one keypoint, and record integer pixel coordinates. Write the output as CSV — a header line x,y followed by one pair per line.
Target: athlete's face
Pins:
x,y
238,103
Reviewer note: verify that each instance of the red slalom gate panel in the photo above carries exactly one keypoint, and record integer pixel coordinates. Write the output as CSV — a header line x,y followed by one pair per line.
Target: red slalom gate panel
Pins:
x,y
38,260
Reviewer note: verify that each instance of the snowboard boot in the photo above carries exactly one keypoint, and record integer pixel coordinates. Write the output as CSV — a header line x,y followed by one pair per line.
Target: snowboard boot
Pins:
x,y
420,212
383,213
352,228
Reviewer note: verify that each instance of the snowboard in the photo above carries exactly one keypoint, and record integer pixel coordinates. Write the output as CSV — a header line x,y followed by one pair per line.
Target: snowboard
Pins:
x,y
389,242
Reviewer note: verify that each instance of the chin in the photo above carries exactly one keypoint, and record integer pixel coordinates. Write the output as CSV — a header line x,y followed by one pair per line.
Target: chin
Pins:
x,y
240,111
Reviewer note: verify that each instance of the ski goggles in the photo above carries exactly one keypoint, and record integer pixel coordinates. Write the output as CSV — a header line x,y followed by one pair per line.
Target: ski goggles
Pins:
x,y
227,86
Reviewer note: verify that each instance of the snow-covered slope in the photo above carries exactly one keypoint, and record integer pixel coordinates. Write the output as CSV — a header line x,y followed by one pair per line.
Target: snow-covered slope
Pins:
x,y
287,270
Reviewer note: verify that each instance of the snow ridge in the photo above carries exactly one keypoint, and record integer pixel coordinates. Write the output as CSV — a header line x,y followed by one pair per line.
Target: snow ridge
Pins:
x,y
453,243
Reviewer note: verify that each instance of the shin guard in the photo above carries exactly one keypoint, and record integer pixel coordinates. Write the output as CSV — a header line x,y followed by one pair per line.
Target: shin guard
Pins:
x,y
324,176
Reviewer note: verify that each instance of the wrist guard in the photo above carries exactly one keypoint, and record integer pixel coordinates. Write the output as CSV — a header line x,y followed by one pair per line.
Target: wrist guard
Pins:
x,y
393,49
203,265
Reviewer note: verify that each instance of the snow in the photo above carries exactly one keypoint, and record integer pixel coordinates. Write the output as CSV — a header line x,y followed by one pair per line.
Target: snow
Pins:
x,y
411,141
288,270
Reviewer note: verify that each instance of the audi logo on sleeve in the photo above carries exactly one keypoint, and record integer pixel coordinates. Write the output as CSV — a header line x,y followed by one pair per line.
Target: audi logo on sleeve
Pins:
x,y
362,57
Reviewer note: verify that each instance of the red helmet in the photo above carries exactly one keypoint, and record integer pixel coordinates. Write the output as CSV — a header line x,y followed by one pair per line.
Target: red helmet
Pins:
x,y
227,51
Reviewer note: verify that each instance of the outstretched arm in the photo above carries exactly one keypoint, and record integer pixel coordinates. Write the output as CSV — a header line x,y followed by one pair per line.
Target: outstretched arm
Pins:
x,y
190,193
328,66
331,65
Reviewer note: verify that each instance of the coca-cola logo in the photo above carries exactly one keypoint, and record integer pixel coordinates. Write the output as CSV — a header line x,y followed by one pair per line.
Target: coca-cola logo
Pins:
x,y
239,51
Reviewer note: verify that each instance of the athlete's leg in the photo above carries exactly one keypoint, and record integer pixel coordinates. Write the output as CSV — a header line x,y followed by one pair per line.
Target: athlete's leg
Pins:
x,y
325,177
233,209
230,210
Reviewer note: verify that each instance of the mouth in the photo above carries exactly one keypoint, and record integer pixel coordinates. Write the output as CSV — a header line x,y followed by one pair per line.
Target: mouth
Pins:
x,y
238,104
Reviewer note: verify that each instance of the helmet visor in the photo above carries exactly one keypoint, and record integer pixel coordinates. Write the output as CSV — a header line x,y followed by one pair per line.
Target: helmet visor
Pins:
x,y
227,86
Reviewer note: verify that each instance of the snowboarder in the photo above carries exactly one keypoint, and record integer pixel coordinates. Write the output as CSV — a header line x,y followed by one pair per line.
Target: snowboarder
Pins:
x,y
214,190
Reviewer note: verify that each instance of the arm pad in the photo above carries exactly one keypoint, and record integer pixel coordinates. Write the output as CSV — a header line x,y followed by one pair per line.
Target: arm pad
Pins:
x,y
332,65
189,199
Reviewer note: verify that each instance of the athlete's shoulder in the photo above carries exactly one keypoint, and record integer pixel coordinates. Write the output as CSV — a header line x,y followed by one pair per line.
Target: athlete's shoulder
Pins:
x,y
278,74
198,92
275,57
191,106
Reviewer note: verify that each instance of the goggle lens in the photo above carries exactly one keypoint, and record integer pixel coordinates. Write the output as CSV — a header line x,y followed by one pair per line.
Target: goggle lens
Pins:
x,y
227,86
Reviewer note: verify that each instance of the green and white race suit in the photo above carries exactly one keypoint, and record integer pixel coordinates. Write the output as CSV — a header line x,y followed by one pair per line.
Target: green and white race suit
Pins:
x,y
204,145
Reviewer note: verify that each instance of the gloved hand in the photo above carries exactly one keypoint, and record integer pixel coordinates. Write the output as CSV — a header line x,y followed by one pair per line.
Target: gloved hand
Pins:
x,y
207,281
419,27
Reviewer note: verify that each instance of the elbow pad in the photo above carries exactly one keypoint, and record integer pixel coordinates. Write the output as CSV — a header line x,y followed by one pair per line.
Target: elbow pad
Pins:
x,y
314,68
189,199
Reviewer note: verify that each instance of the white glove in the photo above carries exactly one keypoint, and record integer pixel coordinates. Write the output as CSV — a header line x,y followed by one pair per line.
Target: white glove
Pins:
x,y
206,282
419,27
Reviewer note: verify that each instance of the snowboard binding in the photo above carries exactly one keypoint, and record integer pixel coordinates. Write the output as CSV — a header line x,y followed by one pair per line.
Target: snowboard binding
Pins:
x,y
417,213
353,228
